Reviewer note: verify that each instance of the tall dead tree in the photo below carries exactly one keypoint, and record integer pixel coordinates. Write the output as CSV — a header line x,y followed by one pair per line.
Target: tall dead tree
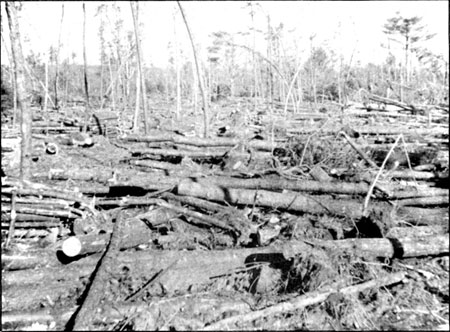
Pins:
x,y
22,102
177,68
58,47
86,87
200,79
134,13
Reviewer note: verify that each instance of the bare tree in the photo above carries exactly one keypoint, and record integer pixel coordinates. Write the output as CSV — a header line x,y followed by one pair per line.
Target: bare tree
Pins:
x,y
86,86
200,79
178,68
19,66
58,47
134,13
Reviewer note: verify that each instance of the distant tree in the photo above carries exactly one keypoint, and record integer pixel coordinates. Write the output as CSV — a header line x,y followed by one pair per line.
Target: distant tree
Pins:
x,y
58,47
19,70
409,33
101,34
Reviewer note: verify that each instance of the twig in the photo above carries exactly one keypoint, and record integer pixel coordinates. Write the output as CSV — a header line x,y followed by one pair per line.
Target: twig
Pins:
x,y
303,301
158,276
372,186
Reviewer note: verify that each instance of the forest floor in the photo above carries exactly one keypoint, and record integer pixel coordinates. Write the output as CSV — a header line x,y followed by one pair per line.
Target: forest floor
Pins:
x,y
328,220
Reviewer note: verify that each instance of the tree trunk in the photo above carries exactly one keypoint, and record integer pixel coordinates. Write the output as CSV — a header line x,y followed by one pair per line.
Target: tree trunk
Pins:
x,y
46,85
178,69
57,58
19,65
139,57
137,106
194,89
200,79
86,87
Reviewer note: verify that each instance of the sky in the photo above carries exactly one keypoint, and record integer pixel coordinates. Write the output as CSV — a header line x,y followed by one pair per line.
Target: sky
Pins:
x,y
353,28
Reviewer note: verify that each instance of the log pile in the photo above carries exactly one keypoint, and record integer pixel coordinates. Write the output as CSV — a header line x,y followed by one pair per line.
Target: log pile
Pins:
x,y
162,222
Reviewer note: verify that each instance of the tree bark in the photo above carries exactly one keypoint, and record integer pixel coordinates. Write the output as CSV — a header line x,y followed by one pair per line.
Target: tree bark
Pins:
x,y
200,78
57,57
86,87
178,69
135,14
19,65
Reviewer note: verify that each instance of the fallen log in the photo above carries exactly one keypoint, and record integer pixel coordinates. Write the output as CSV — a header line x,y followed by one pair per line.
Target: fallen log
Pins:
x,y
410,174
370,130
388,101
286,201
165,308
5,225
82,318
201,142
43,211
279,184
198,267
424,201
41,190
24,217
101,176
178,153
392,247
417,216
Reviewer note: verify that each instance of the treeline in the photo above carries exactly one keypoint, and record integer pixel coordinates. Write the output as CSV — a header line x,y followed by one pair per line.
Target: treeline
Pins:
x,y
234,68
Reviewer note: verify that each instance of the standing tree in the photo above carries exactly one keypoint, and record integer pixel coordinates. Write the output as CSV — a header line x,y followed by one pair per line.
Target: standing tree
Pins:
x,y
134,12
19,70
177,67
86,87
58,47
410,34
200,80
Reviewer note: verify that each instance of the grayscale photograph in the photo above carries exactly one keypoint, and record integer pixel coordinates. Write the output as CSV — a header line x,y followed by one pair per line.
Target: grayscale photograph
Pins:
x,y
225,165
